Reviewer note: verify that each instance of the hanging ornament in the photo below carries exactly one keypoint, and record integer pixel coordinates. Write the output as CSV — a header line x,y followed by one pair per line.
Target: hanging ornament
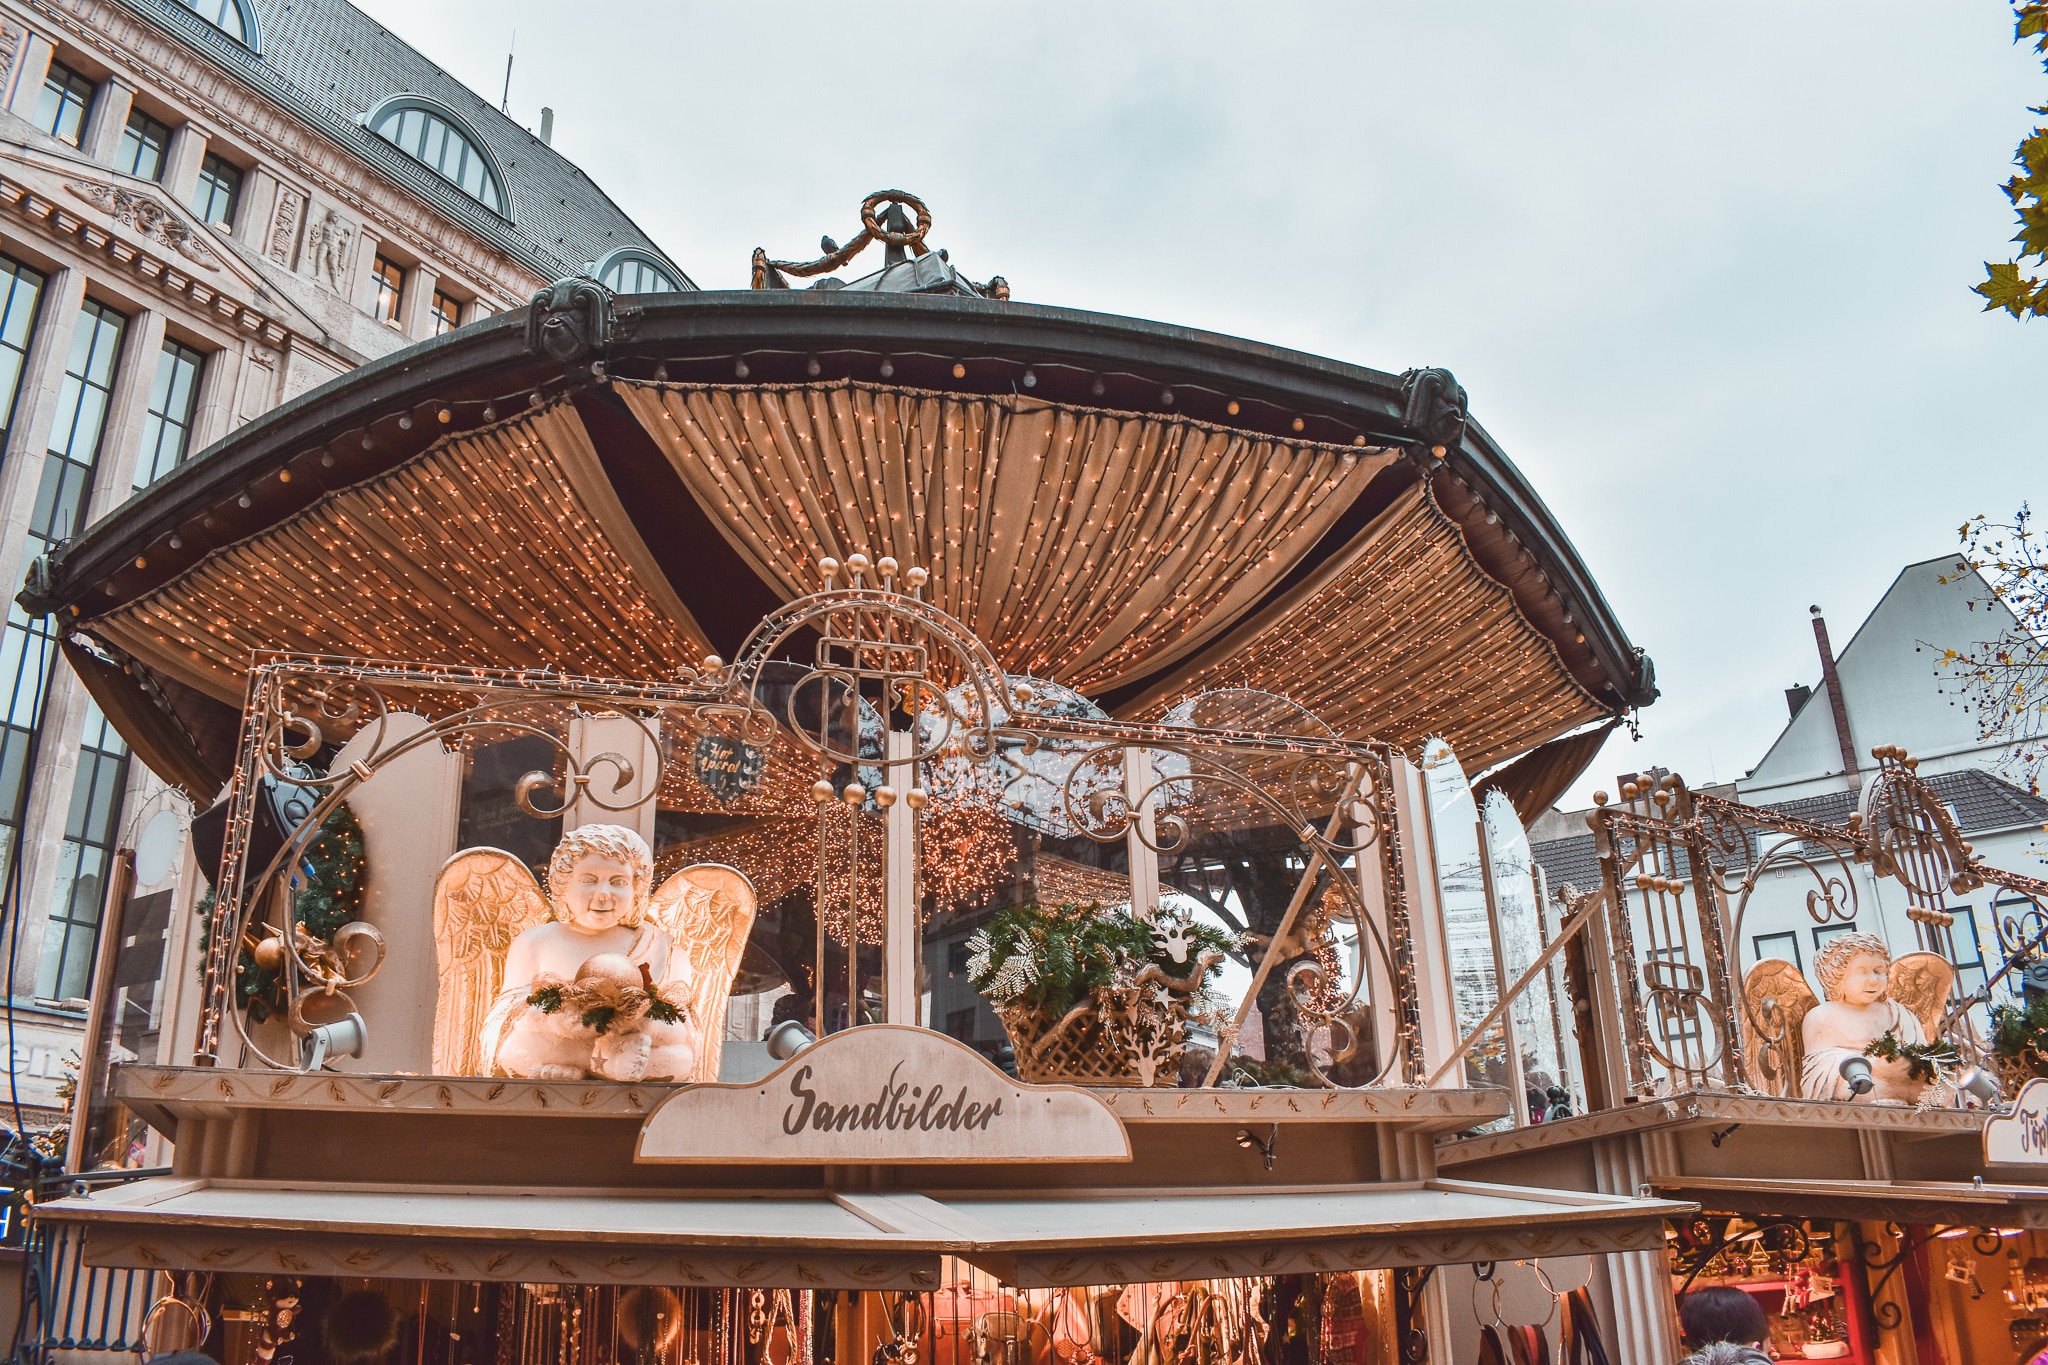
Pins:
x,y
728,768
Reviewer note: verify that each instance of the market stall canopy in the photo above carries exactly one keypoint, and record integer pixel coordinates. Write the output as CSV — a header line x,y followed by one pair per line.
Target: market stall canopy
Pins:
x,y
859,1240
619,489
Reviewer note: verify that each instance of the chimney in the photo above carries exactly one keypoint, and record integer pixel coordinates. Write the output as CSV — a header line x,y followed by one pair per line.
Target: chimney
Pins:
x,y
547,125
1837,703
1795,697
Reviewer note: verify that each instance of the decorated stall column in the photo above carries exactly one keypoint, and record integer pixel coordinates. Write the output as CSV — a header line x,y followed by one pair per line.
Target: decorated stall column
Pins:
x,y
409,814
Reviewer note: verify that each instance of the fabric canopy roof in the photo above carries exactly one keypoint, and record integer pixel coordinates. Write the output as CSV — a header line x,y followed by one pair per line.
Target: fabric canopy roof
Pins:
x,y
840,1239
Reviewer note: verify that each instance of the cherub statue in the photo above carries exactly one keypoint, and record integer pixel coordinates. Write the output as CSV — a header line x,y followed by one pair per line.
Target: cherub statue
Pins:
x,y
598,978
1868,996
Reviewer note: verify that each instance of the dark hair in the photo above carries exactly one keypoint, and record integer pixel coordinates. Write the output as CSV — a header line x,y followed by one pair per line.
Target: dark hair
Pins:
x,y
1722,1313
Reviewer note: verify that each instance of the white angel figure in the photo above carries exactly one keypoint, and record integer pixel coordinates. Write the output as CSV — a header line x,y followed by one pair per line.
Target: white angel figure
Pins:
x,y
1868,996
618,984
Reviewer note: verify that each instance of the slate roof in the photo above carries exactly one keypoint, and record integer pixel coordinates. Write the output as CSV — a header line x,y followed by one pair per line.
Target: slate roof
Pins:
x,y
1980,801
329,63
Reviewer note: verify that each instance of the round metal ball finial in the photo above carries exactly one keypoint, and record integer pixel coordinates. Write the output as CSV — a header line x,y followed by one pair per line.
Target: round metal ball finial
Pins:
x,y
1024,692
885,796
916,798
886,566
821,791
269,954
713,665
916,578
829,567
857,564
855,794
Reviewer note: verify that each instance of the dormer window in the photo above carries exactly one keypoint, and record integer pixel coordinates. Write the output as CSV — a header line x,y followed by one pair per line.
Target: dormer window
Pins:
x,y
226,15
436,138
635,272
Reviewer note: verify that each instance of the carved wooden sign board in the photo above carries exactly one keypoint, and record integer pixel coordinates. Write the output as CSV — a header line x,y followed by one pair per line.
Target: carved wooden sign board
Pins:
x,y
883,1094
2020,1136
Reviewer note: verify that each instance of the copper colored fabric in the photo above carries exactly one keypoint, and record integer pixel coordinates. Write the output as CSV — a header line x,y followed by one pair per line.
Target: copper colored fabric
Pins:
x,y
1082,545
151,730
503,546
1399,637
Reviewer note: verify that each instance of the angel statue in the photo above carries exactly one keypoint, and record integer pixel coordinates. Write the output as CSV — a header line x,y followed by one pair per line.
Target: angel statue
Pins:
x,y
1877,1010
595,978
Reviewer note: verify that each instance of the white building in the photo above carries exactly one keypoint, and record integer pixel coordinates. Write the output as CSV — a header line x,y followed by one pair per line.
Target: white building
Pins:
x,y
208,208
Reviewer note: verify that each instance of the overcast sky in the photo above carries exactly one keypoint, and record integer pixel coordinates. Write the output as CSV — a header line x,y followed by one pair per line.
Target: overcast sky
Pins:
x,y
1703,269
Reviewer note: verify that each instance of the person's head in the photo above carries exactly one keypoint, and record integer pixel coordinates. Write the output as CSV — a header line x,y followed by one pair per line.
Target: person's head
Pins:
x,y
1852,968
1722,1313
599,877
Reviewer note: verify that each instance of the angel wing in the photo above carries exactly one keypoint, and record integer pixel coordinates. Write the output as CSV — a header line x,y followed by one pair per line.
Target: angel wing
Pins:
x,y
708,911
483,898
1921,982
1776,998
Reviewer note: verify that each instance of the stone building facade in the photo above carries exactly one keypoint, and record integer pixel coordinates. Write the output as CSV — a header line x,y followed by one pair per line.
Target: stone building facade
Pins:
x,y
208,209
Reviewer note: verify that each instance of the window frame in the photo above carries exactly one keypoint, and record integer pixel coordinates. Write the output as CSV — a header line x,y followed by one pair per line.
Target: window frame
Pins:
x,y
67,90
138,138
441,322
382,270
158,417
251,35
209,184
617,260
493,172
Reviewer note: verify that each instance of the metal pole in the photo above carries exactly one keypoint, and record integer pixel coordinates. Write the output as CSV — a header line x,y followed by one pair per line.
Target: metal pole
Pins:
x,y
91,1052
900,939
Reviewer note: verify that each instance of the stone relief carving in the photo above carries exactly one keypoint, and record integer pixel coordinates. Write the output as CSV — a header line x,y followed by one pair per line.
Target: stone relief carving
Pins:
x,y
284,225
146,217
10,48
328,236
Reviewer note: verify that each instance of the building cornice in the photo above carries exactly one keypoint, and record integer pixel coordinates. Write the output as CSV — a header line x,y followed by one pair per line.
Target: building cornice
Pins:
x,y
118,37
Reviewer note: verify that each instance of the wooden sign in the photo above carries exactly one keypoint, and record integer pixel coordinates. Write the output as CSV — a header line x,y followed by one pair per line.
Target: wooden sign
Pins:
x,y
729,768
2020,1137
883,1094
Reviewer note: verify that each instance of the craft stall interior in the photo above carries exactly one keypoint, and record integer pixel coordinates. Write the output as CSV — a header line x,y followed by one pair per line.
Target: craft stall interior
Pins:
x,y
1346,1317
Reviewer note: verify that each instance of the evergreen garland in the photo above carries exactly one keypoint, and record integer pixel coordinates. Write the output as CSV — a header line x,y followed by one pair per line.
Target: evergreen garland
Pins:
x,y
330,876
1053,958
2020,1032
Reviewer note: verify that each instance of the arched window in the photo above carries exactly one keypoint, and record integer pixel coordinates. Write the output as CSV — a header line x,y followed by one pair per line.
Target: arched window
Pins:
x,y
436,138
627,271
229,16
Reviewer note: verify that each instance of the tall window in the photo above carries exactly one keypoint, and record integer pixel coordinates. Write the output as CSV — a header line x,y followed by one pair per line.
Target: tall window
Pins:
x,y
443,148
26,646
81,420
224,15
389,279
145,144
220,190
447,313
20,289
167,429
83,861
67,96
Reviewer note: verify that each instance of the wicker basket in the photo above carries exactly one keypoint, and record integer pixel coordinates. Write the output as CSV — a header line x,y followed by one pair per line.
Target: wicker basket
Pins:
x,y
1114,1038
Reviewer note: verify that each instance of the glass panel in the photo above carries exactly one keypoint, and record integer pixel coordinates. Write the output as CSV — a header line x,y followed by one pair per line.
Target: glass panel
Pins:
x,y
444,148
62,107
167,428
1543,1022
1468,929
22,289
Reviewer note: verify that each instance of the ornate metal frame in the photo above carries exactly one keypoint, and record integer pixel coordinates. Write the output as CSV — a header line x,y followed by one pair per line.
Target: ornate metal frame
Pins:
x,y
872,635
1662,842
